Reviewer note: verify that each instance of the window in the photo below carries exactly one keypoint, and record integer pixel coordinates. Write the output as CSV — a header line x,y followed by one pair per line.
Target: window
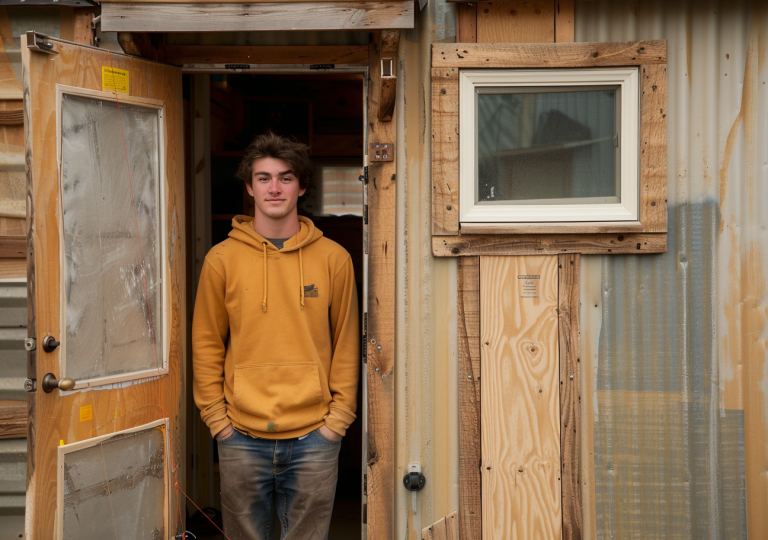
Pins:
x,y
554,145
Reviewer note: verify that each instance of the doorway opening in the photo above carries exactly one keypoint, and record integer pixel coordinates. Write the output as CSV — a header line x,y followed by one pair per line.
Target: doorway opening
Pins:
x,y
325,111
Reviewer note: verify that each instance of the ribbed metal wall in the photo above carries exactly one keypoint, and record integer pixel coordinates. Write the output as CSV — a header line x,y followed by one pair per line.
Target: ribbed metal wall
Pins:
x,y
13,371
674,345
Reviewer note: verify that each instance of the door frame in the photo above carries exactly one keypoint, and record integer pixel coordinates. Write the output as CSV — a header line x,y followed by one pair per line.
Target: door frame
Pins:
x,y
378,314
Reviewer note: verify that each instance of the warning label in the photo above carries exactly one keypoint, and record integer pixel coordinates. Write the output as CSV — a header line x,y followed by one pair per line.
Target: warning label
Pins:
x,y
115,79
86,413
529,288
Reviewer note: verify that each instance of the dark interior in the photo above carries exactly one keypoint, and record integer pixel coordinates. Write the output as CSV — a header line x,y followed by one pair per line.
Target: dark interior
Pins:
x,y
324,111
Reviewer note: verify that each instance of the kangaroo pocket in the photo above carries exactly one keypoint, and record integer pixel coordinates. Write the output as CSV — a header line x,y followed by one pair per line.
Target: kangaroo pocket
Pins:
x,y
287,396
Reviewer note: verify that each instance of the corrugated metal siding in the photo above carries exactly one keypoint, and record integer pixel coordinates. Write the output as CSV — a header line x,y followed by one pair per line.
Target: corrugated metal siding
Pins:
x,y
13,371
674,344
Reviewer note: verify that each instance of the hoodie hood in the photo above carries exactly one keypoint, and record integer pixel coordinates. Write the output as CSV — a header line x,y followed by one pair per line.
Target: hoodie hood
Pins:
x,y
242,230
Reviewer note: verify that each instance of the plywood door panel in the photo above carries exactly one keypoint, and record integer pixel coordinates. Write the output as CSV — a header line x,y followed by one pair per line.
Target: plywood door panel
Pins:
x,y
520,420
70,417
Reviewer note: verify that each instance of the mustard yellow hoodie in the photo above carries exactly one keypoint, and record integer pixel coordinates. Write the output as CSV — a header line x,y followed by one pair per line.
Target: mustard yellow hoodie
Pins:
x,y
275,337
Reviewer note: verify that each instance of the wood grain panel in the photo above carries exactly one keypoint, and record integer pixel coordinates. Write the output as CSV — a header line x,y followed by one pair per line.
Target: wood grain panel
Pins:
x,y
502,55
446,528
570,394
13,247
380,463
445,151
518,21
466,23
470,455
13,419
564,21
13,268
520,397
55,417
291,54
251,17
653,148
553,244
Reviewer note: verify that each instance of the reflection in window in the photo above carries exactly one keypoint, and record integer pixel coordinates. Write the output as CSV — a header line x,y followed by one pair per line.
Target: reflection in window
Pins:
x,y
546,146
112,242
337,191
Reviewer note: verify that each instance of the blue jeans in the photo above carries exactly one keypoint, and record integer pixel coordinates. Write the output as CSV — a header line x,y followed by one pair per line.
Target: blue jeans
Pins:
x,y
292,478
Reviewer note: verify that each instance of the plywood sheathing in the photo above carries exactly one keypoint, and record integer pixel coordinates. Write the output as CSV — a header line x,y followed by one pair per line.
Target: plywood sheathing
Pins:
x,y
53,417
520,396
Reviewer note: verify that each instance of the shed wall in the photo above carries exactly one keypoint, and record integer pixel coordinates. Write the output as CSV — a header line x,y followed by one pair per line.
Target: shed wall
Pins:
x,y
674,344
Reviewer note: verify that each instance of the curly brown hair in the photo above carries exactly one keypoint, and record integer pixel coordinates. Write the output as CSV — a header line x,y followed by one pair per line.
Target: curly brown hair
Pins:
x,y
294,153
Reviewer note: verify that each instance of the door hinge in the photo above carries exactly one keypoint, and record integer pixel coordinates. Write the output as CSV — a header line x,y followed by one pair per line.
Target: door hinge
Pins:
x,y
40,42
365,484
365,514
322,66
365,338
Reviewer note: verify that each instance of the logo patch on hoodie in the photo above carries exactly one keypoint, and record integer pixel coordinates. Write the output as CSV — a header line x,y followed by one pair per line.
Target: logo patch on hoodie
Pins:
x,y
310,291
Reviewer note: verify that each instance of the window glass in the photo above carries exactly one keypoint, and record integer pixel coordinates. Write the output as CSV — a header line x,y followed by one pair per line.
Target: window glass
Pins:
x,y
112,243
547,146
116,487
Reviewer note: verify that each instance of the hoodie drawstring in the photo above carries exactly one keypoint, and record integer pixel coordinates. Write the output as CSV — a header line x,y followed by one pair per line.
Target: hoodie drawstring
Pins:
x,y
301,278
264,302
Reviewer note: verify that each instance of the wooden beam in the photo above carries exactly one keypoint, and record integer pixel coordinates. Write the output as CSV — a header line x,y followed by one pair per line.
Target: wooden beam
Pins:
x,y
470,456
445,151
570,394
553,244
13,420
13,117
390,41
13,247
166,17
446,528
564,21
520,397
653,148
517,21
83,32
570,55
291,54
466,23
137,44
380,462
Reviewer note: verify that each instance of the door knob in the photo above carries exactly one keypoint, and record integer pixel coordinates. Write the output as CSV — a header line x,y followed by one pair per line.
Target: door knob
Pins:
x,y
50,344
50,383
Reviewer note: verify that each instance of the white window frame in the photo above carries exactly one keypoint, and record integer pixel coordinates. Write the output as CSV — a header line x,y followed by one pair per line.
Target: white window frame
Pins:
x,y
627,210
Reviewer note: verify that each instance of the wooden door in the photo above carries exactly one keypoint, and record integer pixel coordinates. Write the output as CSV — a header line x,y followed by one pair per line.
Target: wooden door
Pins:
x,y
105,249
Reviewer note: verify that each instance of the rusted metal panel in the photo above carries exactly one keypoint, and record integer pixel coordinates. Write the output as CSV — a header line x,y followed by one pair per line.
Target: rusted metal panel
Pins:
x,y
674,344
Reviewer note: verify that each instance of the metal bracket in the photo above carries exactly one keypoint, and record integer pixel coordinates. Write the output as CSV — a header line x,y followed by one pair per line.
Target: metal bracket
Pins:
x,y
40,42
382,152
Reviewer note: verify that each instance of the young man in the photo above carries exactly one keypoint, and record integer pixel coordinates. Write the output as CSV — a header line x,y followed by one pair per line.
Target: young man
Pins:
x,y
275,346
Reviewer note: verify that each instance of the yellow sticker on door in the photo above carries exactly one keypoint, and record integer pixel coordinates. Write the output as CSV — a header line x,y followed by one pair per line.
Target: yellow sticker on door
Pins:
x,y
114,79
86,413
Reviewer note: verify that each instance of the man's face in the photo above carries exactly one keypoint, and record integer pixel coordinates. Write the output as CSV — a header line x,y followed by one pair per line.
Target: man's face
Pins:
x,y
274,187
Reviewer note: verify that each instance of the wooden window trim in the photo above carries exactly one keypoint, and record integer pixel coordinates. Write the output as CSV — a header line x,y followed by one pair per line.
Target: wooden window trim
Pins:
x,y
649,236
